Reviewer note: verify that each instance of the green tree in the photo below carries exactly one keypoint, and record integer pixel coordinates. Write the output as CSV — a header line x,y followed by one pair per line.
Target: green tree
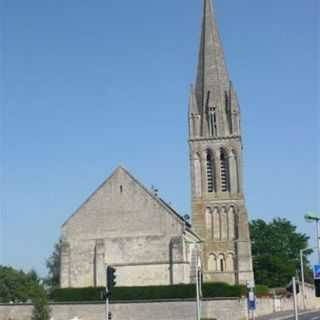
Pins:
x,y
17,286
276,251
53,266
41,309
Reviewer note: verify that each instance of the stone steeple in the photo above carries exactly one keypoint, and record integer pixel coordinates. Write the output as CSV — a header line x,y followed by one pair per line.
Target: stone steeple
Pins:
x,y
215,101
219,215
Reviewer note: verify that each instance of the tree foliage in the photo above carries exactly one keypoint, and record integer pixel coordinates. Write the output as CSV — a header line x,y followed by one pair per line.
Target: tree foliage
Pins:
x,y
17,286
276,251
41,309
53,266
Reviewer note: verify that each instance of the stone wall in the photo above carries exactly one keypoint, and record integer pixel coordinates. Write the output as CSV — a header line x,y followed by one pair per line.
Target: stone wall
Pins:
x,y
218,309
176,310
125,225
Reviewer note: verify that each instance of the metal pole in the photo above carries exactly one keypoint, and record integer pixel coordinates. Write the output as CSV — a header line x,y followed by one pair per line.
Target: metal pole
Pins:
x,y
302,279
295,304
318,239
198,291
107,307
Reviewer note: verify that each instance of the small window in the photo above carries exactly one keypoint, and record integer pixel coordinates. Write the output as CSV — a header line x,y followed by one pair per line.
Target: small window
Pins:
x,y
222,265
121,189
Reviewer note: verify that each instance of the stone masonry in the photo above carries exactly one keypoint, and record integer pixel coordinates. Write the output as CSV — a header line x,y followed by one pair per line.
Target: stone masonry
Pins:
x,y
219,214
125,225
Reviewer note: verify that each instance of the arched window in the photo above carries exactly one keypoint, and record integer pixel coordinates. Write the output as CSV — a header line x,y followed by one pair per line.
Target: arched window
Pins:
x,y
210,172
221,263
224,171
197,175
212,263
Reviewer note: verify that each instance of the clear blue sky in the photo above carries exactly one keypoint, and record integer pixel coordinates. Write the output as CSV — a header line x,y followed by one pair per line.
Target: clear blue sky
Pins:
x,y
87,85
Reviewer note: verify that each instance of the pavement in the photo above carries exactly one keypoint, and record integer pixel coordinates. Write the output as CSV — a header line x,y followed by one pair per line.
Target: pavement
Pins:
x,y
310,315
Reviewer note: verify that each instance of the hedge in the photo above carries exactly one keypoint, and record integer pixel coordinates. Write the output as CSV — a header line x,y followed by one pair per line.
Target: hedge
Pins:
x,y
181,291
77,294
262,291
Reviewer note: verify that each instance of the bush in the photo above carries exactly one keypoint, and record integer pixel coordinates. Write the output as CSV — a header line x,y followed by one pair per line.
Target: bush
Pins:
x,y
262,291
41,310
222,290
181,291
78,294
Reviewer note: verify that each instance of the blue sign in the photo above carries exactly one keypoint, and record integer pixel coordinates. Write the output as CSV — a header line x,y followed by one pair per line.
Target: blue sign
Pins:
x,y
317,271
252,305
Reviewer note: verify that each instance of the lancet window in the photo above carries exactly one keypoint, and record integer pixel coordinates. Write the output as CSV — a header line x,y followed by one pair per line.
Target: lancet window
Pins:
x,y
224,171
210,172
228,111
221,263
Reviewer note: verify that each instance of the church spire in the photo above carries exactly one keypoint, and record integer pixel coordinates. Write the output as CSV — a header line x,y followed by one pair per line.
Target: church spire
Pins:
x,y
219,215
212,84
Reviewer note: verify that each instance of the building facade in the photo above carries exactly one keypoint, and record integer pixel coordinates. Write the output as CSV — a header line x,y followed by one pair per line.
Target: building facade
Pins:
x,y
125,225
219,215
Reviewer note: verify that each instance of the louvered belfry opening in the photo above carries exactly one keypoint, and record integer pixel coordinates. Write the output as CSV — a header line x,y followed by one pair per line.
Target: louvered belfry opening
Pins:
x,y
224,169
210,172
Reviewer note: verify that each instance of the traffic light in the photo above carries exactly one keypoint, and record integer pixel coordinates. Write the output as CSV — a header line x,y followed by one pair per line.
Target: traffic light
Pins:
x,y
111,278
317,287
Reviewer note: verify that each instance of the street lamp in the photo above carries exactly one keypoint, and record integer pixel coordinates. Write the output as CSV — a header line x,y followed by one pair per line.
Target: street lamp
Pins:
x,y
312,217
198,279
302,274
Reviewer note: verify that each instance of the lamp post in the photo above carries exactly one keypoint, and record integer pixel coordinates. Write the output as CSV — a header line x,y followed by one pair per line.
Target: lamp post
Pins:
x,y
302,274
312,217
198,277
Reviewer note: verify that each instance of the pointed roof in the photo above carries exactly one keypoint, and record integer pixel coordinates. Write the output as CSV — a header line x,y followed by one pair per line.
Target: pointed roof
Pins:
x,y
121,170
212,73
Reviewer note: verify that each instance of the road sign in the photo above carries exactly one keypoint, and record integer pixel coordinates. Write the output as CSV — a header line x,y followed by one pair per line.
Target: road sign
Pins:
x,y
252,305
317,271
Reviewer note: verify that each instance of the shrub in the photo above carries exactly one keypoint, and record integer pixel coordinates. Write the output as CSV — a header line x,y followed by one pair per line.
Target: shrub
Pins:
x,y
41,310
222,290
78,294
262,291
181,291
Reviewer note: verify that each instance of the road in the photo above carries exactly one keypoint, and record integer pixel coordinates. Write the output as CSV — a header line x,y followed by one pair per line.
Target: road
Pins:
x,y
314,315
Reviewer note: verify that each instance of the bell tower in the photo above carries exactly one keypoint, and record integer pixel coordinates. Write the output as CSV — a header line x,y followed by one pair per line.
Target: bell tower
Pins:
x,y
219,214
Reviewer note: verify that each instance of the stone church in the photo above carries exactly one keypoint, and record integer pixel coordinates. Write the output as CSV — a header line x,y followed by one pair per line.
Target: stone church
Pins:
x,y
130,227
